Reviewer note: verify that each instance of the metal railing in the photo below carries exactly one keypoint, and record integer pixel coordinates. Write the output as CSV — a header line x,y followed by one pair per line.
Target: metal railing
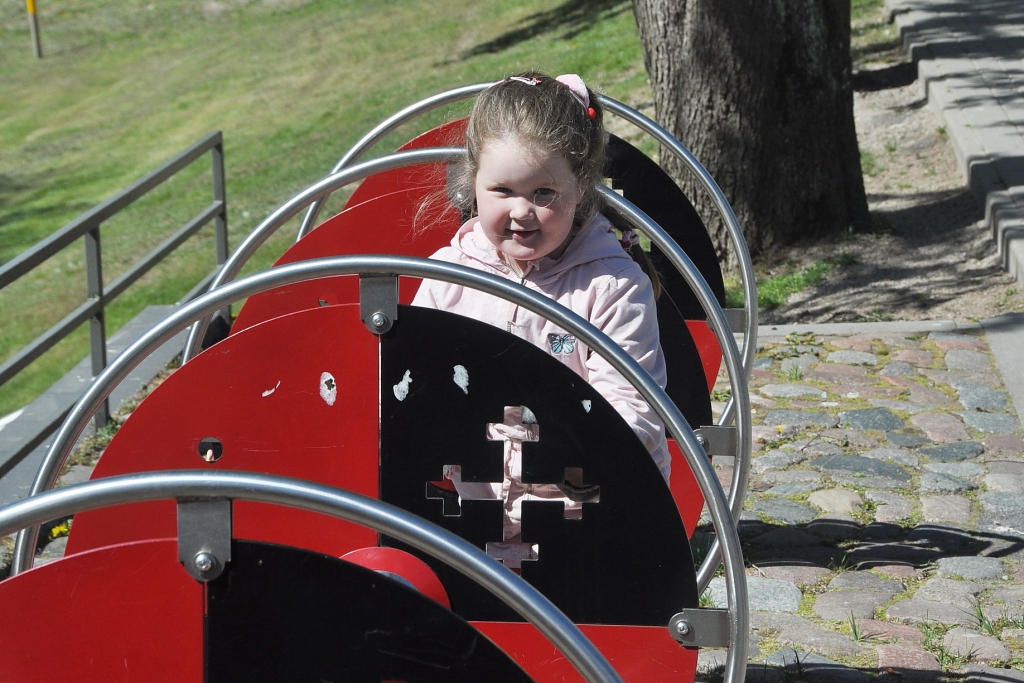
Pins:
x,y
98,294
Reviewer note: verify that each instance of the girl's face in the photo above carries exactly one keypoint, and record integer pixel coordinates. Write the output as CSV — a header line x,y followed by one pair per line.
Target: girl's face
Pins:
x,y
526,199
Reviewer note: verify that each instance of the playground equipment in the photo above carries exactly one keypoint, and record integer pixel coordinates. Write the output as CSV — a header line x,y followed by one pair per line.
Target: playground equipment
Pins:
x,y
332,380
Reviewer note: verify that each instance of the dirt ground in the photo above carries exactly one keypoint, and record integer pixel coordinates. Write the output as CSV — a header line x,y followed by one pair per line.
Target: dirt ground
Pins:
x,y
930,257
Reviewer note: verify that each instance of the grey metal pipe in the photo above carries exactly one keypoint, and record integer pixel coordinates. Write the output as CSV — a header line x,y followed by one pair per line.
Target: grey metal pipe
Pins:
x,y
732,226
656,397
321,189
526,600
737,382
379,131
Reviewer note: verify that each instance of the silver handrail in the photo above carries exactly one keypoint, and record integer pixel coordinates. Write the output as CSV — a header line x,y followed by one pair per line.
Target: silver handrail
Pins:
x,y
744,424
711,488
526,600
321,189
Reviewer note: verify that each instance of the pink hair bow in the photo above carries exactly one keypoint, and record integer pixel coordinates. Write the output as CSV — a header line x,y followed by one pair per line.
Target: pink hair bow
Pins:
x,y
578,88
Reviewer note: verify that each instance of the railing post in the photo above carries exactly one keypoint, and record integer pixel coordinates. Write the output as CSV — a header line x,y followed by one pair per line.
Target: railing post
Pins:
x,y
220,227
97,323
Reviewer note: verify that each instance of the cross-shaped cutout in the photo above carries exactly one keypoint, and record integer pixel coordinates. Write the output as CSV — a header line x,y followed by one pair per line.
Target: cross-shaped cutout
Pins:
x,y
519,426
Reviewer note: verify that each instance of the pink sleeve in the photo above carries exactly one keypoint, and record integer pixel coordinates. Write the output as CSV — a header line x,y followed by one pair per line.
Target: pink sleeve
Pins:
x,y
431,292
625,310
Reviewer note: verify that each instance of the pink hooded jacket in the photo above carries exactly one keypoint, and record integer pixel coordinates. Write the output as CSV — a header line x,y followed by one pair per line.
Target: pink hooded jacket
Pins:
x,y
597,280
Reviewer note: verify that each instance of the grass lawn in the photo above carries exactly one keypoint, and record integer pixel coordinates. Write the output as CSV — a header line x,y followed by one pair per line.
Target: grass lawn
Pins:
x,y
125,85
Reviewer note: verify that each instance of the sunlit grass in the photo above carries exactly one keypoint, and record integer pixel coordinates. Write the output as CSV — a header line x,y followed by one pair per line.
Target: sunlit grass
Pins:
x,y
126,85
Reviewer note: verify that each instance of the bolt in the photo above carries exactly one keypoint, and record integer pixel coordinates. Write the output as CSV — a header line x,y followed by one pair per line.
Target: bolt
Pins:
x,y
703,441
378,320
204,561
682,627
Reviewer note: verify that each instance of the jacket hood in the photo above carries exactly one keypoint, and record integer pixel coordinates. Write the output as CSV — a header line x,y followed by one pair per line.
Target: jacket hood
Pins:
x,y
595,241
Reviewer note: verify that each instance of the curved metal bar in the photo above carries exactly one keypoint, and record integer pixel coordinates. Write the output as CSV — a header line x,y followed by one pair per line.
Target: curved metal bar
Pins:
x,y
711,488
526,600
383,128
744,426
642,122
320,189
732,226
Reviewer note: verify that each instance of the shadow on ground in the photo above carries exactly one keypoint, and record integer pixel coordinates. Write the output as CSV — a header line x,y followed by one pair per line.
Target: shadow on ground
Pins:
x,y
568,20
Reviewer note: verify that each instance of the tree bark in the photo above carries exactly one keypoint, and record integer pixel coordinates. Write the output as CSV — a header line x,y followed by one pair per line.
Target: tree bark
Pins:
x,y
760,91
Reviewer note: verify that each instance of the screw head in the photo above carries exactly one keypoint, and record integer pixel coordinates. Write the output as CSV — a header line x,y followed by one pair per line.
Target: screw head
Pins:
x,y
204,561
682,627
378,319
703,441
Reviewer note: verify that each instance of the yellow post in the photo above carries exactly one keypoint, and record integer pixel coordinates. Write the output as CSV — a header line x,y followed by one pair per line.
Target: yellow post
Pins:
x,y
33,27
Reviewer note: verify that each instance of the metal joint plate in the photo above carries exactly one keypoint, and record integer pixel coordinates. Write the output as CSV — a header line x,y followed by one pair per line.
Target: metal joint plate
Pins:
x,y
737,319
378,302
718,440
701,627
204,537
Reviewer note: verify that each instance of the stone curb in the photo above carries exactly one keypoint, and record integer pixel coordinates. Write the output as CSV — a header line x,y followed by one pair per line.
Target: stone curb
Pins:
x,y
972,76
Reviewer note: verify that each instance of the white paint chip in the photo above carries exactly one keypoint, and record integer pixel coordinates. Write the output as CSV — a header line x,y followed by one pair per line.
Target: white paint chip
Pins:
x,y
268,392
328,388
402,388
462,378
528,417
586,404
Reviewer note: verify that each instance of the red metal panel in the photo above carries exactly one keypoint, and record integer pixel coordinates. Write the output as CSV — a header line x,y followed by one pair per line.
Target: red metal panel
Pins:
x,y
378,219
122,613
295,396
685,490
406,565
708,348
640,654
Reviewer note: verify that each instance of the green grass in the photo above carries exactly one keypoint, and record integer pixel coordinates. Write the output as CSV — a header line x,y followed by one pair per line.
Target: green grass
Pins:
x,y
869,164
873,36
774,291
861,9
126,84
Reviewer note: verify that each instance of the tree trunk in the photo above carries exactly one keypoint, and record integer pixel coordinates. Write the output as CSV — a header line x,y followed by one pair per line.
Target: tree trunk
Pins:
x,y
760,91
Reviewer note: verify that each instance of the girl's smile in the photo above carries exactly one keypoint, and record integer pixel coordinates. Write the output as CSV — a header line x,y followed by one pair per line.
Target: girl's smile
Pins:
x,y
526,199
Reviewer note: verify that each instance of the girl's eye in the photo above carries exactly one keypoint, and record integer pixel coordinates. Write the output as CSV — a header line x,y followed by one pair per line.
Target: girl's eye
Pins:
x,y
545,196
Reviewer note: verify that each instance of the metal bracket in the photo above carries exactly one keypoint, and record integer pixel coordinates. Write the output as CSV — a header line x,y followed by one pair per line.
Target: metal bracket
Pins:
x,y
204,537
737,319
378,302
701,627
718,440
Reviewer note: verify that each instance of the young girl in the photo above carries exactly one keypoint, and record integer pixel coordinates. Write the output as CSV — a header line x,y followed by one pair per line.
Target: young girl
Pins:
x,y
535,151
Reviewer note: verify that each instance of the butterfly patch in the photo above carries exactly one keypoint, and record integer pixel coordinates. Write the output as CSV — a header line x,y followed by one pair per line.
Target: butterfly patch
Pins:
x,y
561,344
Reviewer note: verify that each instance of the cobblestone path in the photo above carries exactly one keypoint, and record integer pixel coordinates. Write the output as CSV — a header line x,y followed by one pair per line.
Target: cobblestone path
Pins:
x,y
884,524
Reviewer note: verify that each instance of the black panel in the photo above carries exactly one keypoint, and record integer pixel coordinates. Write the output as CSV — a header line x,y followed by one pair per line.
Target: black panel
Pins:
x,y
627,561
645,184
283,614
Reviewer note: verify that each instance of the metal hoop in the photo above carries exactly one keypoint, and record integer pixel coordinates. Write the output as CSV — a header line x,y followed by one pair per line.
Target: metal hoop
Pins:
x,y
403,265
419,533
644,123
730,354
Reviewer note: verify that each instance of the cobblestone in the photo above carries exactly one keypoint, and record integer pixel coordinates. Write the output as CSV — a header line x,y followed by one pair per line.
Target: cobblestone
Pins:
x,y
964,642
940,427
971,568
903,529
